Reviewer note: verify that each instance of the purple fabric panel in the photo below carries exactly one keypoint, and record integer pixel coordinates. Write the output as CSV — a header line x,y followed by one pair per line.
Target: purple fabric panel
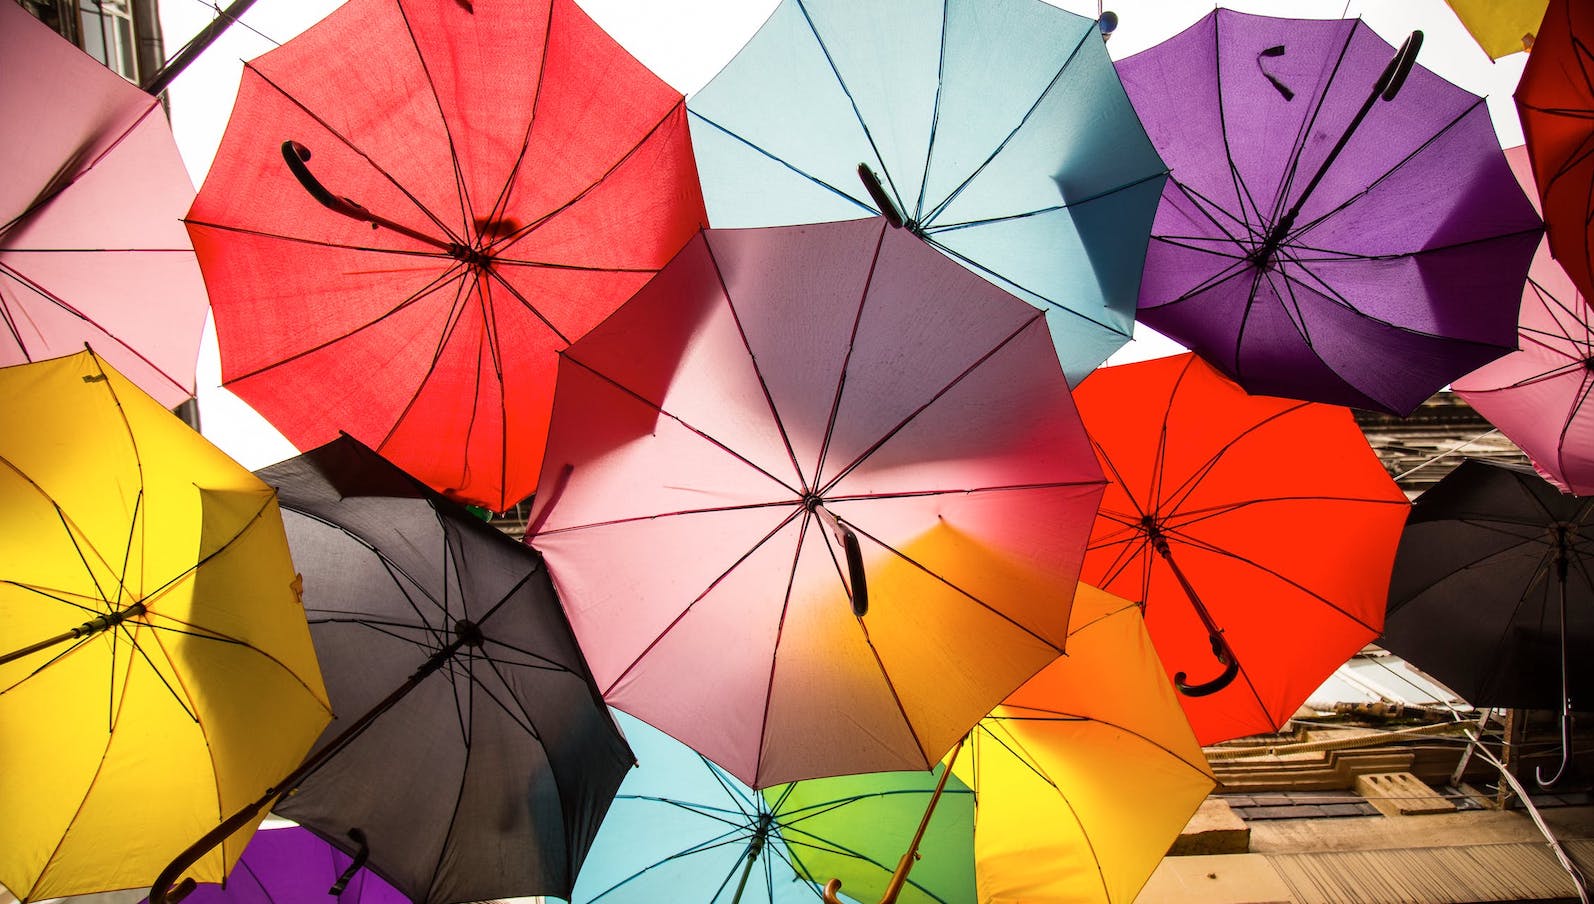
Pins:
x,y
294,866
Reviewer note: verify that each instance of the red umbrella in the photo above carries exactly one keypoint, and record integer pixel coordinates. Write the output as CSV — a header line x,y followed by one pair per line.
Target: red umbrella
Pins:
x,y
1555,100
92,248
1538,395
1258,530
416,205
815,499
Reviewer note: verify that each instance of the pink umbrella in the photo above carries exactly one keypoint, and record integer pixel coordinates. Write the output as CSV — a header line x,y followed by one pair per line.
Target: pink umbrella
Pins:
x,y
1538,396
92,245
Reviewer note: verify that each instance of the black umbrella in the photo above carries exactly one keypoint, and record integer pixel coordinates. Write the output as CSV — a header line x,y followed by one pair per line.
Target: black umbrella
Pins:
x,y
485,758
1492,591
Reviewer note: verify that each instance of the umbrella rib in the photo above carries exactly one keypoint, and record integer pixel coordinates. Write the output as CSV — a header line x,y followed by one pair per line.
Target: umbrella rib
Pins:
x,y
1242,191
654,516
1053,716
851,102
1396,167
467,211
28,283
959,590
1308,122
681,616
935,115
1001,280
758,372
966,491
318,243
846,363
1182,493
1104,194
780,628
700,433
452,274
935,397
393,570
1585,387
466,287
62,181
1203,545
868,211
1023,121
501,203
527,229
697,848
1189,517
72,531
436,221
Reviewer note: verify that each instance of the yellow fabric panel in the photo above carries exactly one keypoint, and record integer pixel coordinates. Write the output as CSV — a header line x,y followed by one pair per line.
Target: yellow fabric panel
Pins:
x,y
1501,27
125,747
1088,772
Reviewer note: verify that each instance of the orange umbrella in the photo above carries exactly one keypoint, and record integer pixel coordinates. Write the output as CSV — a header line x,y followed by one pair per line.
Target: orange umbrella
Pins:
x,y
1258,530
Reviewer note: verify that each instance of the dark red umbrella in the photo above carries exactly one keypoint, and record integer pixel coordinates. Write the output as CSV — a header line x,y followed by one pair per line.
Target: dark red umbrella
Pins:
x,y
1555,100
416,205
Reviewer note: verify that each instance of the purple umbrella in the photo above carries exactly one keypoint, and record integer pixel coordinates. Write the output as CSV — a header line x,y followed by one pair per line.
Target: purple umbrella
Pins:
x,y
294,866
1340,224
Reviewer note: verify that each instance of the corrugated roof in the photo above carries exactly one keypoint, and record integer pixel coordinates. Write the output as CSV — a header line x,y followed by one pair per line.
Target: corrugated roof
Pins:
x,y
1431,875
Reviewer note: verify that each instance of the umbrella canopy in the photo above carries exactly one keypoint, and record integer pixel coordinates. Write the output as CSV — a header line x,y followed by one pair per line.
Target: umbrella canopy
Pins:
x,y
1255,529
1501,27
995,130
808,515
415,206
1316,241
1538,394
683,829
1555,100
1081,780
92,248
292,866
142,727
1475,593
489,777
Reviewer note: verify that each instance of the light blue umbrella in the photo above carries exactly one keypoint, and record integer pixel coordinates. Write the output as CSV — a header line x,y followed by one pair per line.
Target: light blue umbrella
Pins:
x,y
996,130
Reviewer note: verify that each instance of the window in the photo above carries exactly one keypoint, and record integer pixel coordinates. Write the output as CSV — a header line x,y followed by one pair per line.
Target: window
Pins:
x,y
106,31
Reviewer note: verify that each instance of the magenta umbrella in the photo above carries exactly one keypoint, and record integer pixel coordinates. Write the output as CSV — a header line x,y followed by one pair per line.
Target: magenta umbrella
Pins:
x,y
815,499
92,245
1538,395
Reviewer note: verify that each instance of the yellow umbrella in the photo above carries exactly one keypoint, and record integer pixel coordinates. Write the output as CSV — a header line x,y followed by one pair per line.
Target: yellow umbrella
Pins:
x,y
1501,27
1080,781
156,670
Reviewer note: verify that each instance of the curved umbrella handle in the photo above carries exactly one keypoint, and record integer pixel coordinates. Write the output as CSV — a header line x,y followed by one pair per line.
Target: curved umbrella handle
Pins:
x,y
1395,73
295,155
362,854
1231,668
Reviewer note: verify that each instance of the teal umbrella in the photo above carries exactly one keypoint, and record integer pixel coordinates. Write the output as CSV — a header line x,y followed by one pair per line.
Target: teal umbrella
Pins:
x,y
995,130
682,829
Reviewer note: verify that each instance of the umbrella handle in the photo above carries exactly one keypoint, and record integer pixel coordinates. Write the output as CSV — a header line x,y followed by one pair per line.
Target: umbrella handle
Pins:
x,y
1566,691
361,854
1231,668
877,192
295,154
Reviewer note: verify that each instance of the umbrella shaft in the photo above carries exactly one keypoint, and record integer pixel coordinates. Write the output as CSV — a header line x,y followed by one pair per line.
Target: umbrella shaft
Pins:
x,y
92,626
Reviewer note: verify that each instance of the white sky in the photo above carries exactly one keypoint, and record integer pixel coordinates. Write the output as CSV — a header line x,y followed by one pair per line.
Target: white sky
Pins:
x,y
686,42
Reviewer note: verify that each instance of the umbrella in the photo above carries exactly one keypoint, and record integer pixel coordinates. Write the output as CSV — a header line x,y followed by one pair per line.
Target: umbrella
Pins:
x,y
1501,27
92,249
1555,101
292,866
1536,395
1340,225
488,777
1081,780
168,674
1254,529
740,458
1492,590
995,130
415,206
683,829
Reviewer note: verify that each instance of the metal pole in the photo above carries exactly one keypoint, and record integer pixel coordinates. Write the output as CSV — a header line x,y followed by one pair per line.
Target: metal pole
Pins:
x,y
174,67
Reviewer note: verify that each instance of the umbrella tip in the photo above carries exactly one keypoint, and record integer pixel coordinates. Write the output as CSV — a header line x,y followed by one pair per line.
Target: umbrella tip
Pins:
x,y
1107,23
